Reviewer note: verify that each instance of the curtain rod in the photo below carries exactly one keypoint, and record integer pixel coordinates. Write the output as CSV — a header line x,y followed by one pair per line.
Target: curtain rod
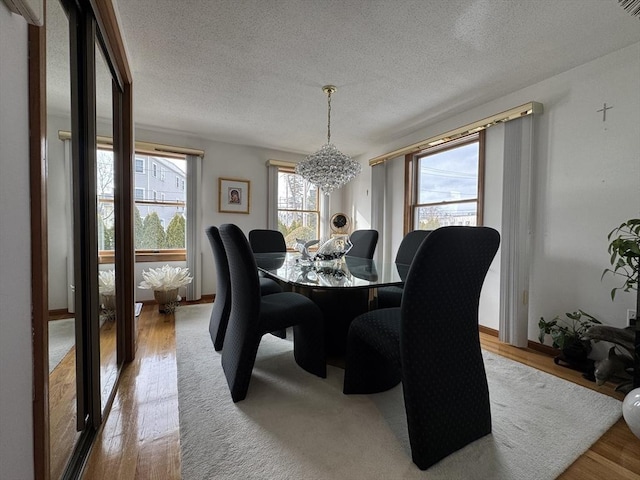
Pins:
x,y
280,163
511,114
143,147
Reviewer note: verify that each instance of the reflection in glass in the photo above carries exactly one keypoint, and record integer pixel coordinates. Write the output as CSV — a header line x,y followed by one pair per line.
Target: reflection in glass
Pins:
x,y
62,326
105,185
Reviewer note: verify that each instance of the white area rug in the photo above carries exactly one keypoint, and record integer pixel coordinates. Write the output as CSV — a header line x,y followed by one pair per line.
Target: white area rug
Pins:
x,y
61,340
294,425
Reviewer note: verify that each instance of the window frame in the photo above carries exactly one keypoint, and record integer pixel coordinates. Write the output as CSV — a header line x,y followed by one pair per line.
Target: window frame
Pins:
x,y
412,177
150,255
291,170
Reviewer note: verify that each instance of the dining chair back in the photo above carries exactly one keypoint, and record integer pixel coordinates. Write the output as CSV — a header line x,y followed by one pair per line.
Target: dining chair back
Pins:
x,y
392,296
252,315
431,343
409,246
266,241
364,243
222,301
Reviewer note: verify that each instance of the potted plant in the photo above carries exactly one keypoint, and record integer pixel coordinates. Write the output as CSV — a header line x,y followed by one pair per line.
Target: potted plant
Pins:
x,y
165,282
625,255
566,334
625,260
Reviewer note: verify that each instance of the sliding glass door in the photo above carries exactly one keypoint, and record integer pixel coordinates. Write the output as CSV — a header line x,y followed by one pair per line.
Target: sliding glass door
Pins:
x,y
89,295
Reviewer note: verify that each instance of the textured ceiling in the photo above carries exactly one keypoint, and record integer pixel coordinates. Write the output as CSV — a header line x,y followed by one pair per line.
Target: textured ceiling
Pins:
x,y
251,71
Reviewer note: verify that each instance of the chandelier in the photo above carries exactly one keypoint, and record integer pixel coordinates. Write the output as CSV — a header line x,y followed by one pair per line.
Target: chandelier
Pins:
x,y
328,168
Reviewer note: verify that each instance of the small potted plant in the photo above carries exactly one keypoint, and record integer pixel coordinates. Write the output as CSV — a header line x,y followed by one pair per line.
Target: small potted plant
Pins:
x,y
566,334
165,282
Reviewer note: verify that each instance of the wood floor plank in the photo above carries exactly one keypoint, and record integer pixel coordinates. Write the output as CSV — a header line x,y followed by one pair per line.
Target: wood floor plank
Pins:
x,y
141,439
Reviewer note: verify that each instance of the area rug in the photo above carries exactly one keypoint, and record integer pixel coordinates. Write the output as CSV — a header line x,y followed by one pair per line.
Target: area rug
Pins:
x,y
294,425
61,340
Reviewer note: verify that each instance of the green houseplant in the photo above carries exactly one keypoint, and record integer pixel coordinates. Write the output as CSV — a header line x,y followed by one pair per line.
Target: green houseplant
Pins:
x,y
625,255
567,334
625,259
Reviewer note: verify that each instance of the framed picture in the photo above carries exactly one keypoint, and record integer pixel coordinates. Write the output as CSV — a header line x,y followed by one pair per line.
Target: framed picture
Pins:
x,y
234,195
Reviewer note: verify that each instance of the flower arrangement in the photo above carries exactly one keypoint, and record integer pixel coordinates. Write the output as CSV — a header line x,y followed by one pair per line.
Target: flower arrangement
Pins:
x,y
107,290
165,278
165,282
107,282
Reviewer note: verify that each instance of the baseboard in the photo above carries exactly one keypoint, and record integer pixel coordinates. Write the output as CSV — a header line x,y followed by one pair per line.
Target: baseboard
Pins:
x,y
488,331
207,298
538,347
546,349
59,314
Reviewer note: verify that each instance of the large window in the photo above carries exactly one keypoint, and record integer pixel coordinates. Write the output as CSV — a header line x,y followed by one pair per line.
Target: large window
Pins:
x,y
446,184
160,206
298,207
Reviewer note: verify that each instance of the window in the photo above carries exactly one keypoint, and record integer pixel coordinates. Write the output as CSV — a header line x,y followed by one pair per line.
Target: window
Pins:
x,y
139,165
446,184
160,220
298,207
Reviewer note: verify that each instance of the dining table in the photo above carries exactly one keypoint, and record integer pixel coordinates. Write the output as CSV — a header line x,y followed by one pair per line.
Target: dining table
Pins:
x,y
343,288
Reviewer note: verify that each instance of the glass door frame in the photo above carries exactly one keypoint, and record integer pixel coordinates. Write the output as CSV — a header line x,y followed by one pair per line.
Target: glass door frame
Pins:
x,y
93,21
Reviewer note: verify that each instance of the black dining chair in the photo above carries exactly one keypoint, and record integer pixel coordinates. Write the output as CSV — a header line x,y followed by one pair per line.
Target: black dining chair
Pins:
x,y
267,241
364,243
222,301
431,343
252,315
392,295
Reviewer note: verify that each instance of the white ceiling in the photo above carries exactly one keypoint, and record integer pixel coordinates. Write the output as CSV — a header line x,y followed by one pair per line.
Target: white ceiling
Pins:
x,y
251,71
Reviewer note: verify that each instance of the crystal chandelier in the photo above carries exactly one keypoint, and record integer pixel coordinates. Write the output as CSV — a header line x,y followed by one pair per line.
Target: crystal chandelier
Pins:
x,y
328,168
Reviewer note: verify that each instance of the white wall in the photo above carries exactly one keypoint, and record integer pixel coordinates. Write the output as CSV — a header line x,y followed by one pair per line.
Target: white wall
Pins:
x,y
16,426
585,181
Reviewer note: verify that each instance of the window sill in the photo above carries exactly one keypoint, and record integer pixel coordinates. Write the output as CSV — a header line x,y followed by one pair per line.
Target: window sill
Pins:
x,y
145,257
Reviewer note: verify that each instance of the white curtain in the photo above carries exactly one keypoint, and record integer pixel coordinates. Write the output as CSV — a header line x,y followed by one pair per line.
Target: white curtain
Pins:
x,y
68,208
194,228
272,195
516,231
378,203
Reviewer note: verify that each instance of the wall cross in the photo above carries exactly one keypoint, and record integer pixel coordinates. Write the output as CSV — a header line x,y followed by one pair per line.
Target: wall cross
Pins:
x,y
604,112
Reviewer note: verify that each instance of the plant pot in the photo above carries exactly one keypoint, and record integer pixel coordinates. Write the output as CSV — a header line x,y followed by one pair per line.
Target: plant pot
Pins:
x,y
108,302
577,350
166,299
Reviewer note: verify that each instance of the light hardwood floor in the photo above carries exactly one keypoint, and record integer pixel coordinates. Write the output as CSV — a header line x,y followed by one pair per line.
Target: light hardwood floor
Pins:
x,y
141,439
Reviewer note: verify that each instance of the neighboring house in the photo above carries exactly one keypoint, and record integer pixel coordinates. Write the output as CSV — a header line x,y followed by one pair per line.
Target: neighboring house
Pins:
x,y
158,179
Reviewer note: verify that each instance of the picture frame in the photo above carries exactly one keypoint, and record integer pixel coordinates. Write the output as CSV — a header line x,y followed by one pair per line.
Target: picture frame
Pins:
x,y
234,195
